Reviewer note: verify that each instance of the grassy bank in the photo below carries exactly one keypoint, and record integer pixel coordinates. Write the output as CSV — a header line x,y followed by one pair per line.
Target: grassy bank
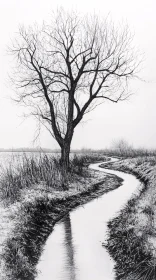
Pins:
x,y
132,234
23,172
35,202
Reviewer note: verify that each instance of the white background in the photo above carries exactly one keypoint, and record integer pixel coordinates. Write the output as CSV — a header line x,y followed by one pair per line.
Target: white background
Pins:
x,y
133,120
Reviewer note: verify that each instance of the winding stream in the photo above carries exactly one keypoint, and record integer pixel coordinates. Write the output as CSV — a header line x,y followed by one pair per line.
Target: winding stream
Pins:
x,y
74,250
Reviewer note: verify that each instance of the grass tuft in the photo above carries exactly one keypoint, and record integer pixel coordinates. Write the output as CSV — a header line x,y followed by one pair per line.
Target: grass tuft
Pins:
x,y
28,171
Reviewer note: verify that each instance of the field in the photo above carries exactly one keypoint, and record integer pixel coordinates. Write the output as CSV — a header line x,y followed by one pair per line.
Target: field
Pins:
x,y
32,201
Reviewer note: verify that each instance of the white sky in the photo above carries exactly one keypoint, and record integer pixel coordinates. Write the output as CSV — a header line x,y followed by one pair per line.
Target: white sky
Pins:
x,y
133,120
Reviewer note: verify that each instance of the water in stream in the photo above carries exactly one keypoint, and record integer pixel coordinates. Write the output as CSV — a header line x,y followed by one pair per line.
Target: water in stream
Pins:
x,y
74,250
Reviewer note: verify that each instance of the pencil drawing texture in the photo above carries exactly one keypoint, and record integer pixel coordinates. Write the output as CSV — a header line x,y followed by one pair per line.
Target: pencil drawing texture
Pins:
x,y
67,213
67,68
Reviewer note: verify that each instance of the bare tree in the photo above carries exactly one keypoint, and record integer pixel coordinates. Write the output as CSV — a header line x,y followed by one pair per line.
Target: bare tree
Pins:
x,y
64,70
123,147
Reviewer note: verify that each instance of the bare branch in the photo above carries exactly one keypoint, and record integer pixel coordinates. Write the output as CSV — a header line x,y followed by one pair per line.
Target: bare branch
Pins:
x,y
65,67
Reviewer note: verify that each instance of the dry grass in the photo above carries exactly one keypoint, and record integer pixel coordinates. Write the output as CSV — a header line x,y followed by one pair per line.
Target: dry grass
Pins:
x,y
25,172
34,221
132,235
36,204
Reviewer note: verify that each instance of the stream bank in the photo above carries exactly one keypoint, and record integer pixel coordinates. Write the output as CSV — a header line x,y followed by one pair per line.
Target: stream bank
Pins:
x,y
132,233
34,220
74,249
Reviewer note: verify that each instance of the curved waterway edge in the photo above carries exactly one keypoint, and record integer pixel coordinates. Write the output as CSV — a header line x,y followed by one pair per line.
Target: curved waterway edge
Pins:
x,y
74,249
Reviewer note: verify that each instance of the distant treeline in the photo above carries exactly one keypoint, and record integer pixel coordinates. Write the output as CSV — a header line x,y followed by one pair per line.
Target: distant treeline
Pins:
x,y
121,153
120,149
32,150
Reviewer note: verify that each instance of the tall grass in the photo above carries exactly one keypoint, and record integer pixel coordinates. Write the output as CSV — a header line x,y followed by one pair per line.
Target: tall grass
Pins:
x,y
27,171
35,217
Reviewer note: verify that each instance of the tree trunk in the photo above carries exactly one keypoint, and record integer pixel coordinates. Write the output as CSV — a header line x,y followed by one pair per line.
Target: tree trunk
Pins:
x,y
65,151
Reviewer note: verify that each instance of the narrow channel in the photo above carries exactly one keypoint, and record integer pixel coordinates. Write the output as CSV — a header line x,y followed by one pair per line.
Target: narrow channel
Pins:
x,y
74,250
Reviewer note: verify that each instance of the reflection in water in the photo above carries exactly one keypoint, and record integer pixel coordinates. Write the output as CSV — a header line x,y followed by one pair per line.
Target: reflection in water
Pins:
x,y
57,261
68,242
74,250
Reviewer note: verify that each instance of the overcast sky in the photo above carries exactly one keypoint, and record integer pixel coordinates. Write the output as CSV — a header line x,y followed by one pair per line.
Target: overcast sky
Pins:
x,y
133,120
